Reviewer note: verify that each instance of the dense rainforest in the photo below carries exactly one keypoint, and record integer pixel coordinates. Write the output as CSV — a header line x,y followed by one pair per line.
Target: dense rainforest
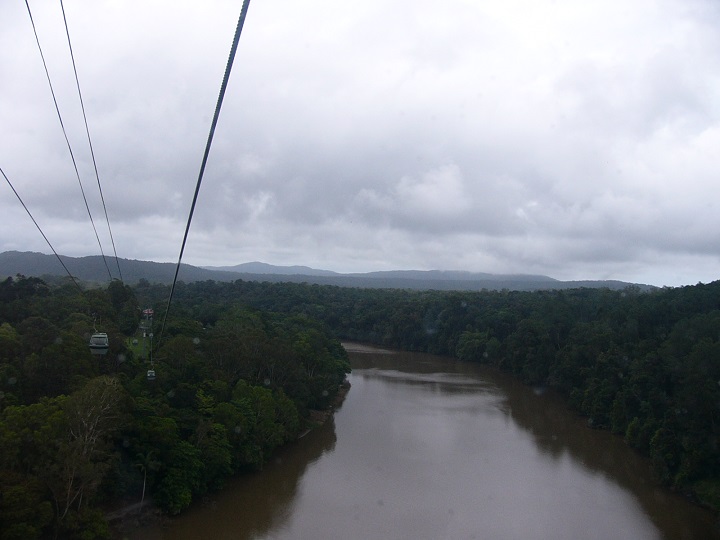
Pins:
x,y
645,365
80,432
243,363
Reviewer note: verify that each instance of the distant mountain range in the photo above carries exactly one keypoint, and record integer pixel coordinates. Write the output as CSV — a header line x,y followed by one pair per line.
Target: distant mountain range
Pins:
x,y
265,268
92,269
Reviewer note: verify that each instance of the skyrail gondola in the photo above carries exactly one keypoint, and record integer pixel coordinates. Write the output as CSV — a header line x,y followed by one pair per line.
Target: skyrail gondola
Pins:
x,y
99,343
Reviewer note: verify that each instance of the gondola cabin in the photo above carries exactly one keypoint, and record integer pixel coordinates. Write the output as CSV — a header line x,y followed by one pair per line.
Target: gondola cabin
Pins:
x,y
151,375
99,343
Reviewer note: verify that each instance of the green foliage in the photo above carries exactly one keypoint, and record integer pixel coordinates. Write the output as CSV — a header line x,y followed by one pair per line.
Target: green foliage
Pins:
x,y
708,492
86,524
182,479
216,450
29,437
24,513
472,346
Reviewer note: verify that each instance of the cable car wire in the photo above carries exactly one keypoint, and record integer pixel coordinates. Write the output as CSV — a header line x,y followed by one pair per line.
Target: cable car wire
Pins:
x,y
223,87
87,131
41,232
67,141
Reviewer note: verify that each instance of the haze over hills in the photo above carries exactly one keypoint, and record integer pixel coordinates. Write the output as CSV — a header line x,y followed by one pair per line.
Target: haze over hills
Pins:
x,y
456,275
440,275
265,268
93,269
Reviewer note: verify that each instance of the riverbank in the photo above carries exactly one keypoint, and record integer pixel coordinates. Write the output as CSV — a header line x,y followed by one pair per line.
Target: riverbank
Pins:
x,y
133,516
318,417
123,520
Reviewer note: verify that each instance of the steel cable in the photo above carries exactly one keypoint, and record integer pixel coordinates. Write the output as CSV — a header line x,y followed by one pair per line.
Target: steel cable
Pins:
x,y
87,131
41,231
67,141
223,87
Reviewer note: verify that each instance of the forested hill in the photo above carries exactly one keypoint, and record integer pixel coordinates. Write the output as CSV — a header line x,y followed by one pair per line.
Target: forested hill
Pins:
x,y
93,269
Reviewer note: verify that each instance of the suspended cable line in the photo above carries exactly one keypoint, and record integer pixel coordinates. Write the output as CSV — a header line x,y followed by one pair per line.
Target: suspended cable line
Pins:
x,y
67,141
87,131
41,231
223,87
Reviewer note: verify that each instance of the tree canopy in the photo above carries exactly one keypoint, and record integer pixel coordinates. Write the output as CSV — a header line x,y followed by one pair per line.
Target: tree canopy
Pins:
x,y
78,431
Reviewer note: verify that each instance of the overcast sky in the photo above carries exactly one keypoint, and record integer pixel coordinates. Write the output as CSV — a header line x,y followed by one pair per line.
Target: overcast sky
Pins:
x,y
575,139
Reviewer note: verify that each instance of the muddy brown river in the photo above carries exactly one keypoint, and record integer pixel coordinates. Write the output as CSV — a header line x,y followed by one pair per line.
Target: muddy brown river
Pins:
x,y
429,448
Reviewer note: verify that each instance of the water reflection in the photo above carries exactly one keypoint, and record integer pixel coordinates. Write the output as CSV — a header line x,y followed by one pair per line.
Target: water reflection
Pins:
x,y
559,436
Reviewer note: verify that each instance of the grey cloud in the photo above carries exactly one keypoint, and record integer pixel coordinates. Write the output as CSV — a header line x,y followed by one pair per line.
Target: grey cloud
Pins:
x,y
573,139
